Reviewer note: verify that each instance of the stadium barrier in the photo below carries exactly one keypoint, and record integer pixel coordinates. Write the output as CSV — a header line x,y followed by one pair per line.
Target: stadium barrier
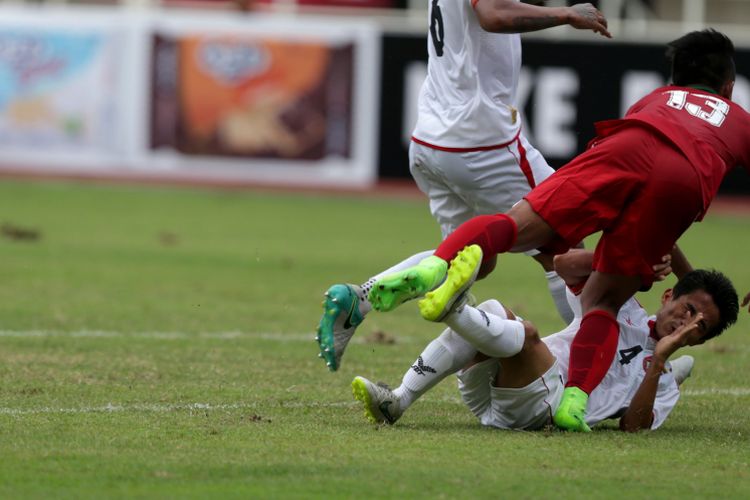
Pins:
x,y
188,96
327,101
565,86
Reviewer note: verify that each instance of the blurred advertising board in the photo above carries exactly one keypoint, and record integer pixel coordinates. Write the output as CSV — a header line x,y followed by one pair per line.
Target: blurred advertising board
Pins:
x,y
279,101
389,4
252,98
58,90
564,87
190,96
251,4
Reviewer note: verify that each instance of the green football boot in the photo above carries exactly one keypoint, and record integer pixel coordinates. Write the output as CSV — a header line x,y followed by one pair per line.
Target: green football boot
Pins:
x,y
461,275
394,289
571,413
343,311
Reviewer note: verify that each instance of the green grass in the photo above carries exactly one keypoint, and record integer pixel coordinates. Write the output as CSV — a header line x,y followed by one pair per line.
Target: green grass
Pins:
x,y
211,298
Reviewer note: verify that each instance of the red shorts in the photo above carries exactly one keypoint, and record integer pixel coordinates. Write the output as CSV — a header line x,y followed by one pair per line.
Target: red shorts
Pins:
x,y
635,187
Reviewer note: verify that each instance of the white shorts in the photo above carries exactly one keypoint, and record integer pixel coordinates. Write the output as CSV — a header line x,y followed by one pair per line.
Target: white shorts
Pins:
x,y
526,408
463,185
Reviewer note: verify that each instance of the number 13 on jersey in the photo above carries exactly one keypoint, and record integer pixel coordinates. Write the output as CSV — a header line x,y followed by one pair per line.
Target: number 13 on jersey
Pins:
x,y
715,115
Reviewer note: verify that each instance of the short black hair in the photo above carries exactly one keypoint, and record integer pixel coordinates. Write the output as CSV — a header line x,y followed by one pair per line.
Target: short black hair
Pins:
x,y
702,58
721,290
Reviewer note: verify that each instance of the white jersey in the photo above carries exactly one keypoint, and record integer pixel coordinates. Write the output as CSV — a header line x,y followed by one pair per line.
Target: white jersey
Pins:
x,y
634,350
468,99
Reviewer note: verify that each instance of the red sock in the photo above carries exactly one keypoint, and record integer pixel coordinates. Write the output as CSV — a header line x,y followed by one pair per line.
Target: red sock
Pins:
x,y
494,233
592,350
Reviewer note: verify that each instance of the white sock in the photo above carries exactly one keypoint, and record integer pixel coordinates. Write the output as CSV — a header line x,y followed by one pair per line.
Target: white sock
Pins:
x,y
442,357
404,264
489,332
557,288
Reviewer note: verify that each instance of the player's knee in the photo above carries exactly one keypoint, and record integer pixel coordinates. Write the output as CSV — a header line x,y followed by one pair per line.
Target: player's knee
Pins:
x,y
488,265
531,336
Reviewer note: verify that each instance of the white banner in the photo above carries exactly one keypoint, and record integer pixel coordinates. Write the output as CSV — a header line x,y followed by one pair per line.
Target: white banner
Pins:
x,y
210,97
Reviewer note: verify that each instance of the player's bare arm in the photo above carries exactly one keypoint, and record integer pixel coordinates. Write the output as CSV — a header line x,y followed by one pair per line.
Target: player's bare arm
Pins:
x,y
680,264
640,413
574,266
746,301
508,16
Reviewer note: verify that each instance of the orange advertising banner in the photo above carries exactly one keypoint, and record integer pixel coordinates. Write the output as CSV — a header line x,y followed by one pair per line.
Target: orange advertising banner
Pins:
x,y
250,97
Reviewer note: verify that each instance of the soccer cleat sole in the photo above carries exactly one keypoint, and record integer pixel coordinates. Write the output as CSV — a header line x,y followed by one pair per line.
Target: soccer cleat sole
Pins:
x,y
361,394
461,275
337,301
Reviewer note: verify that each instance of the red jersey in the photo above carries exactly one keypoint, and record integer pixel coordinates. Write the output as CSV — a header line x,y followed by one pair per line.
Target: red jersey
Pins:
x,y
712,132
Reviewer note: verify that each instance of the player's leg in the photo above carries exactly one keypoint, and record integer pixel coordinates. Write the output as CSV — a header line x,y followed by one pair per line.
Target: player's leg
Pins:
x,y
594,346
443,177
528,364
475,386
494,234
519,230
345,306
499,179
496,332
555,285
442,357
487,327
574,202
646,229
521,394
536,169
483,182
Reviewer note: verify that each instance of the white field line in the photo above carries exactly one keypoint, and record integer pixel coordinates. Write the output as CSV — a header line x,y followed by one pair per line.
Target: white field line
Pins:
x,y
229,335
167,408
155,335
715,391
204,407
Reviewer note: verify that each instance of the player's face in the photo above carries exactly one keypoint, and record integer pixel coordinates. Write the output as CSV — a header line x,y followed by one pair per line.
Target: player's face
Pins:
x,y
676,312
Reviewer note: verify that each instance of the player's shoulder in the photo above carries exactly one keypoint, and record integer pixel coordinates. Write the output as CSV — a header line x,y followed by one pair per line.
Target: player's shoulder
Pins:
x,y
634,322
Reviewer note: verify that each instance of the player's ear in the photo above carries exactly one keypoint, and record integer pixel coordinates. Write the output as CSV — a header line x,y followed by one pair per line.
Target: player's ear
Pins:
x,y
727,89
666,296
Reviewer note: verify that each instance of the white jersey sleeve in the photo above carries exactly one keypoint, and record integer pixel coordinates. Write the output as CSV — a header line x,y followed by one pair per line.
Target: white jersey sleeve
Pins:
x,y
468,98
666,398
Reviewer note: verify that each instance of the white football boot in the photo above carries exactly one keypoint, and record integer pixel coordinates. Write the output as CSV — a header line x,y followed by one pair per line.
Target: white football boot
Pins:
x,y
381,405
682,367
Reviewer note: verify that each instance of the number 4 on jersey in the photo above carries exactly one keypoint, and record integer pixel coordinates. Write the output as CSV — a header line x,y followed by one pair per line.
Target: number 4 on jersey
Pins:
x,y
627,355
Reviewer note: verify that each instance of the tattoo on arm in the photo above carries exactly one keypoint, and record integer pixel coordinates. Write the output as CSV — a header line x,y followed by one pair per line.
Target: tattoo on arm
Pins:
x,y
535,23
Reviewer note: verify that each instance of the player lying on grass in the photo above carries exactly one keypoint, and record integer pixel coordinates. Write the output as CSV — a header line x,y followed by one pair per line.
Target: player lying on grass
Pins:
x,y
468,151
643,181
512,379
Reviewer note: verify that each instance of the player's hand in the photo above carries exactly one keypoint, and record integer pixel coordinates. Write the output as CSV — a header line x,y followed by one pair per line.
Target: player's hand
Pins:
x,y
584,16
746,301
664,268
681,337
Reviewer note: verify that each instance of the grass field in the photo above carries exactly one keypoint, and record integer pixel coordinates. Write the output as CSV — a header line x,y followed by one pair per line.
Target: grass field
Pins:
x,y
159,343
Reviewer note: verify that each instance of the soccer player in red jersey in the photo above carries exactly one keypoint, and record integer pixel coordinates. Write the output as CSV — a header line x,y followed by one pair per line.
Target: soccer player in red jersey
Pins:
x,y
643,180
